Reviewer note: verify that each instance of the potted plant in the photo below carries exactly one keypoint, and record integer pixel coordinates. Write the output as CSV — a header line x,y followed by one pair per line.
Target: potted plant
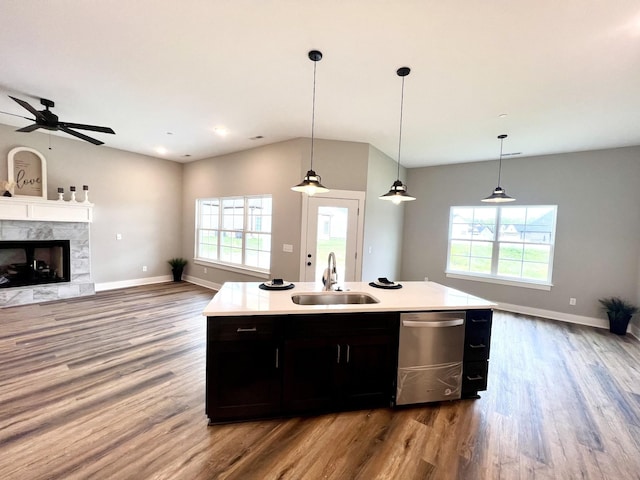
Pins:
x,y
177,267
619,312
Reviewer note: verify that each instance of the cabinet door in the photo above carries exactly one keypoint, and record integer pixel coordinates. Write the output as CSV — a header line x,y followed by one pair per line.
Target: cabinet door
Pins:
x,y
368,367
310,373
243,379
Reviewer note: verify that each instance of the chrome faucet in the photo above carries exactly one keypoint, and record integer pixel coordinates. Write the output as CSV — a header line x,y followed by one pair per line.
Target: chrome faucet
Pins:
x,y
331,273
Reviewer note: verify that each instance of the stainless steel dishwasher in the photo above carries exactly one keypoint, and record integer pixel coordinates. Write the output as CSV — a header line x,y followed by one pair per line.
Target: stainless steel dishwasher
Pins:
x,y
430,357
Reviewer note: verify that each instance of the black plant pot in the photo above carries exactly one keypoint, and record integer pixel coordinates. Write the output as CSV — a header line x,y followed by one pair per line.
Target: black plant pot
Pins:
x,y
618,324
177,274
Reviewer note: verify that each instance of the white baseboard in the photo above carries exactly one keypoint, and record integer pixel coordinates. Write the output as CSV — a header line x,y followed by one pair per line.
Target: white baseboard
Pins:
x,y
202,283
564,317
635,331
132,283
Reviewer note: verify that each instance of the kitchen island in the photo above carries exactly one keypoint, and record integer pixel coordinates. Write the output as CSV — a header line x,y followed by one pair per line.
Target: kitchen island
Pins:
x,y
268,356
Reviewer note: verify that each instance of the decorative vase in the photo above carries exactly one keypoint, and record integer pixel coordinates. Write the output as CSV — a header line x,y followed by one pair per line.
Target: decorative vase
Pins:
x,y
618,324
177,274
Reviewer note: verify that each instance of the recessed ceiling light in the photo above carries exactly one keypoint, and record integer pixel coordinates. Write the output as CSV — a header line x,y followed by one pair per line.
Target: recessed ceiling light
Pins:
x,y
169,133
161,150
222,131
503,115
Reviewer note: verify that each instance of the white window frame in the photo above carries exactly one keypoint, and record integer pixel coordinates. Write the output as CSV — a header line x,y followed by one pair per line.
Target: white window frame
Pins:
x,y
494,277
231,266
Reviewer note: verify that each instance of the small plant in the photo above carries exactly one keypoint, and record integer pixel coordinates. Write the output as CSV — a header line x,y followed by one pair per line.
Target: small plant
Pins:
x,y
177,266
619,312
178,262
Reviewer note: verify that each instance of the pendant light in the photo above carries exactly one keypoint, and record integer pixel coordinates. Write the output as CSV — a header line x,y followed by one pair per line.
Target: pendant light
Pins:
x,y
311,182
499,195
398,191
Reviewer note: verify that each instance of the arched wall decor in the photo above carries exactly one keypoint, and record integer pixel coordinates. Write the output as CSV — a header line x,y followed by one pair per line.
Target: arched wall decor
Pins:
x,y
28,169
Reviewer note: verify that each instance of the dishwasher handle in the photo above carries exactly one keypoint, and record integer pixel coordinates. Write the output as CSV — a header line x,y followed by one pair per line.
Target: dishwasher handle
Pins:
x,y
433,324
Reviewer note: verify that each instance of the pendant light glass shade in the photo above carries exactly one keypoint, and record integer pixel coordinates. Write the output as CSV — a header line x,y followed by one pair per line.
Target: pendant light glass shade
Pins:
x,y
311,182
499,195
398,191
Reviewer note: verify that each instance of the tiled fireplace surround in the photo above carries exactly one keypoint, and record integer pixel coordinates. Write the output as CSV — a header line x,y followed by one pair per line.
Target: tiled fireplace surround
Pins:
x,y
77,232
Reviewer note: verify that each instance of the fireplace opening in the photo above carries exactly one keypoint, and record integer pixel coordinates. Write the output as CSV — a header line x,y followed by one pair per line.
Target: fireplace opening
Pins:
x,y
34,262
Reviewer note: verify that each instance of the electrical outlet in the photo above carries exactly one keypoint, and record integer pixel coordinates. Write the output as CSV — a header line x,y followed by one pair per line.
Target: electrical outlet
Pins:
x,y
144,268
572,301
286,247
118,236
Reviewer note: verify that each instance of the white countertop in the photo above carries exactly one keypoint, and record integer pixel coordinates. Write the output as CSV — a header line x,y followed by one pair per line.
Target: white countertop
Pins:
x,y
245,298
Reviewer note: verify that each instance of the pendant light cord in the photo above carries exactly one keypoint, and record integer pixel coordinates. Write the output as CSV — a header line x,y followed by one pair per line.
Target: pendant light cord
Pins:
x,y
313,110
400,134
500,161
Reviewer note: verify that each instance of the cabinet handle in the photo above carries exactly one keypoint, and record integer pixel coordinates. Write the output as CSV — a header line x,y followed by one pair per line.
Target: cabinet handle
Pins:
x,y
348,352
252,329
479,320
481,345
277,358
338,359
474,379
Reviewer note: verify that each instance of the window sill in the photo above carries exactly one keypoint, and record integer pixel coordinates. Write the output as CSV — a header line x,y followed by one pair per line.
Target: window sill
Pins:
x,y
500,281
233,268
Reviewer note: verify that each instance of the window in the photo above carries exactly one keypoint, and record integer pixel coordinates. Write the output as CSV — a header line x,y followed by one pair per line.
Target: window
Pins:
x,y
235,231
508,243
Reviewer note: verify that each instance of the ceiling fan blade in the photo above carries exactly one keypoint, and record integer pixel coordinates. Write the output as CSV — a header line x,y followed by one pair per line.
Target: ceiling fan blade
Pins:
x,y
25,105
29,128
82,126
80,135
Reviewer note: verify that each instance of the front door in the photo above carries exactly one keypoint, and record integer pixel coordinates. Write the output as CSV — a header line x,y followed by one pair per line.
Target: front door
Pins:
x,y
332,223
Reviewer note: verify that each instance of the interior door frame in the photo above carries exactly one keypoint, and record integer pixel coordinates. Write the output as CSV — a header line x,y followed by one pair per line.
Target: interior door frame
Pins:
x,y
343,195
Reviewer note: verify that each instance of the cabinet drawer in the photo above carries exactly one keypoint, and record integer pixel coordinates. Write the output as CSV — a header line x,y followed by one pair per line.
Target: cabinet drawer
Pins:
x,y
474,376
476,349
479,322
227,329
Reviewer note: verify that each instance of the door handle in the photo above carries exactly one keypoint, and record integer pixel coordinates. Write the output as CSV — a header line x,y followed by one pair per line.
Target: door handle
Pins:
x,y
252,329
277,358
308,264
474,379
481,345
338,358
443,323
348,352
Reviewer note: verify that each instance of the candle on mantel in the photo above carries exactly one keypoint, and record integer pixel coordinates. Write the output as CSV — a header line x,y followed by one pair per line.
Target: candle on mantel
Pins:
x,y
85,188
73,193
60,193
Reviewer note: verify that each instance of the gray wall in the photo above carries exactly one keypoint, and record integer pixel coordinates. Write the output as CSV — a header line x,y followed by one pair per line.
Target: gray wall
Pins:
x,y
271,169
383,221
135,195
597,233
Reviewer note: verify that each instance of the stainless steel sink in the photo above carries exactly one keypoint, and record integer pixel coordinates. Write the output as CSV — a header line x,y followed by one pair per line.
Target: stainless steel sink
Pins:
x,y
333,298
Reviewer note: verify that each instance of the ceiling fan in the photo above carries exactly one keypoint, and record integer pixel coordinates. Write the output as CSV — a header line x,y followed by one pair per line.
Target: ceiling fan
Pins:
x,y
48,120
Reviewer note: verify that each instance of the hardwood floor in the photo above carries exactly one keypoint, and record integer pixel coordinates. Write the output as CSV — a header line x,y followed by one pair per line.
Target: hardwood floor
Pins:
x,y
112,387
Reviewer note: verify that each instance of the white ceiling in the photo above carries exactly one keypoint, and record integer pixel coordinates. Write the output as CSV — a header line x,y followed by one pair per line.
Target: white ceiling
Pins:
x,y
567,73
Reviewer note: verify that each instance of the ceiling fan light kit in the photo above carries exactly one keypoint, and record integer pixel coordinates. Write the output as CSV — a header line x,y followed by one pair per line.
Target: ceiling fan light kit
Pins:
x,y
499,194
398,191
311,183
48,120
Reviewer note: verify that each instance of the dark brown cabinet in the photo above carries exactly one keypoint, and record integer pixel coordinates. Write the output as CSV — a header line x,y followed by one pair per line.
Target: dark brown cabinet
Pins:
x,y
339,361
268,366
477,343
244,371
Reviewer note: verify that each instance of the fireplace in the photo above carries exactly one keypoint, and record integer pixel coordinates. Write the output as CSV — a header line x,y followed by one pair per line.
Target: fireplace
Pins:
x,y
34,262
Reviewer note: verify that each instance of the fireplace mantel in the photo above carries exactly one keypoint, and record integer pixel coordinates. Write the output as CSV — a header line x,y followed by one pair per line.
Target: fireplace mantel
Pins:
x,y
39,209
